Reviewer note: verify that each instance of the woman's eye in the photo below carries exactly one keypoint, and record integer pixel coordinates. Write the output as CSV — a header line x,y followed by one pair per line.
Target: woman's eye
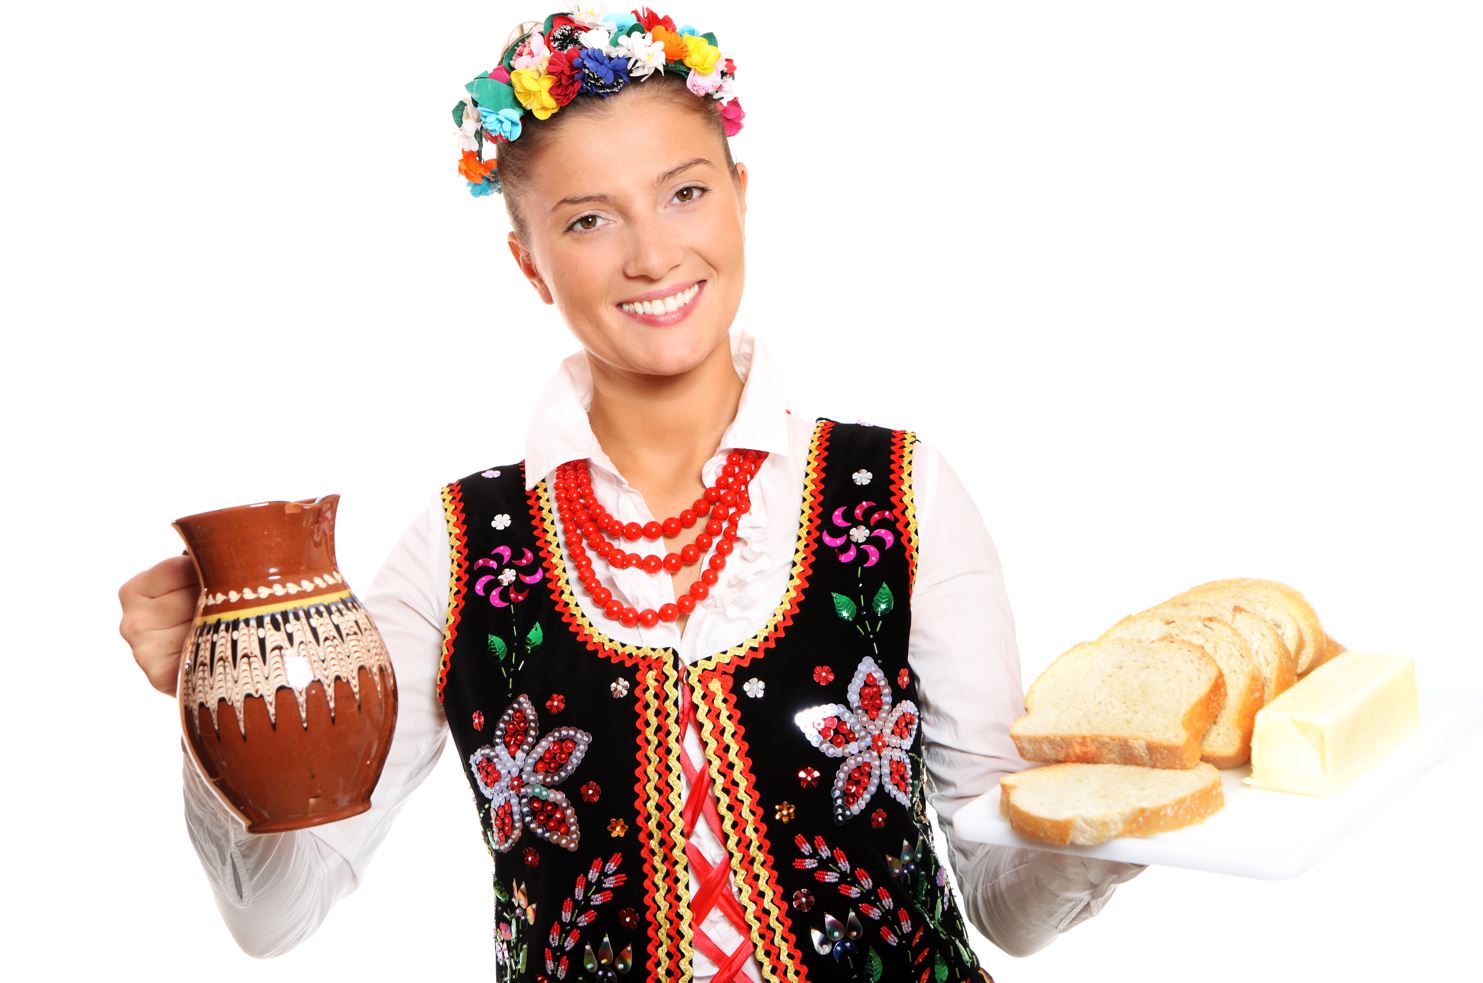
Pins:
x,y
585,223
689,193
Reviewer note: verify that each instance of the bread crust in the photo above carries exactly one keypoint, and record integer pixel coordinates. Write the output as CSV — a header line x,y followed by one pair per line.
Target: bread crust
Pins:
x,y
1285,607
1184,810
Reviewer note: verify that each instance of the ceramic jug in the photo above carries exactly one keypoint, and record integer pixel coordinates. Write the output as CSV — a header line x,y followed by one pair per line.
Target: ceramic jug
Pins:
x,y
287,696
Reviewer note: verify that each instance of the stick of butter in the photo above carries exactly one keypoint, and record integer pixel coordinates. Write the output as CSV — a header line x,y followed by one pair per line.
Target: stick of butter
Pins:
x,y
1335,722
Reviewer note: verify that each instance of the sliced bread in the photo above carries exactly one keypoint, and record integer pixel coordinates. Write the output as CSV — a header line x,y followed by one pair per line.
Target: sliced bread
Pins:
x,y
1227,742
1274,660
1288,610
1122,701
1092,803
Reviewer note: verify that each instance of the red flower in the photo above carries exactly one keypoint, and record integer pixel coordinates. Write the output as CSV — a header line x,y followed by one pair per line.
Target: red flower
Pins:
x,y
878,818
823,675
556,703
648,20
531,857
478,720
903,677
568,77
590,791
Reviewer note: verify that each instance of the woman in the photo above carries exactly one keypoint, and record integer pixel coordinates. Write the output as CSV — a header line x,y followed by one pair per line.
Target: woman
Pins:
x,y
706,758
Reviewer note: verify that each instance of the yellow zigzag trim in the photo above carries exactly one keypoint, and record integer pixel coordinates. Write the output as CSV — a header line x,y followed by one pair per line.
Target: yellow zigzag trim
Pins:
x,y
907,480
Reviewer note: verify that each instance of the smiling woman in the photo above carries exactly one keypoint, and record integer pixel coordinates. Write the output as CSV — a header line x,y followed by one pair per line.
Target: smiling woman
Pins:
x,y
710,761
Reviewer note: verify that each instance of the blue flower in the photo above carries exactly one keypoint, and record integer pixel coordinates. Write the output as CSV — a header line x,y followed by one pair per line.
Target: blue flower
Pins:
x,y
501,122
601,75
487,186
621,20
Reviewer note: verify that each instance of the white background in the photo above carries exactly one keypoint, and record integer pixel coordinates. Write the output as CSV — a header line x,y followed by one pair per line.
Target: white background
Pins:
x,y
1183,291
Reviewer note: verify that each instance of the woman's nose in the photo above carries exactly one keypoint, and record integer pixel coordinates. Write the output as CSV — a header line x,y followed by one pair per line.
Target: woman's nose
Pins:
x,y
651,253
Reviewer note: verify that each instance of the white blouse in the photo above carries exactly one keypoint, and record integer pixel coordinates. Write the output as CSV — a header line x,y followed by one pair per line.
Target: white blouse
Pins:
x,y
275,889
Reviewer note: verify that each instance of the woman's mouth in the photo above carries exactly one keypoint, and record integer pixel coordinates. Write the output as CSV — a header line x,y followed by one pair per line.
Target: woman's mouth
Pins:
x,y
665,309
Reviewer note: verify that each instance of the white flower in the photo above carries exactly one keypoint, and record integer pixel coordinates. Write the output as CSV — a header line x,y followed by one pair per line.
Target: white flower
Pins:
x,y
492,473
619,687
600,38
507,576
859,534
644,54
502,521
753,687
590,14
862,477
726,91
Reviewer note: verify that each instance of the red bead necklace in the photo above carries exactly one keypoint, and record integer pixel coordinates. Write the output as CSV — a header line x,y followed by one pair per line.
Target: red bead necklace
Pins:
x,y
586,523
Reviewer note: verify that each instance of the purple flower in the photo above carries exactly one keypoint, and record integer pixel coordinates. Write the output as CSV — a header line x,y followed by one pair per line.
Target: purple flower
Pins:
x,y
855,534
602,75
505,575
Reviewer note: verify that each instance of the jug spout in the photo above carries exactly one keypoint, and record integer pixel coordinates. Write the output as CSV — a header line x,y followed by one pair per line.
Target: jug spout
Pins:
x,y
263,545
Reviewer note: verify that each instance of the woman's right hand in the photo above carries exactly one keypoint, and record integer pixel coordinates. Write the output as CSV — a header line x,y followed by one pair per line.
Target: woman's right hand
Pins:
x,y
159,605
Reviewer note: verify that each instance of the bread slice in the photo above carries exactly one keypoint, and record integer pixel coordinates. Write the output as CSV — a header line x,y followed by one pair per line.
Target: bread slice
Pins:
x,y
1288,610
1121,701
1274,660
1091,803
1227,743
1331,648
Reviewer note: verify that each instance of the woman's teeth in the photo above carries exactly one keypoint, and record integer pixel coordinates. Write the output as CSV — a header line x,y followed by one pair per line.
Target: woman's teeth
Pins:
x,y
664,305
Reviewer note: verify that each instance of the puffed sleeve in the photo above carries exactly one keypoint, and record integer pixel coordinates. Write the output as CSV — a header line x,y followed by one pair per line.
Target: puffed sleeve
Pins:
x,y
966,660
275,889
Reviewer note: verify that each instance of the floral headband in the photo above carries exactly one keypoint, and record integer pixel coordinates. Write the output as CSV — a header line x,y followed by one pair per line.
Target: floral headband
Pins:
x,y
583,50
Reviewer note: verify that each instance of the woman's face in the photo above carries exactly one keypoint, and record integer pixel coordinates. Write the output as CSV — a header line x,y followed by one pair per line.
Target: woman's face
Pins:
x,y
634,229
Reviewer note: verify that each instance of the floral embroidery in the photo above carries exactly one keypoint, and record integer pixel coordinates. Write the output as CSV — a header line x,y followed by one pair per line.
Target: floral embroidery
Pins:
x,y
510,658
878,818
753,687
903,678
784,811
619,687
491,473
870,734
513,916
478,720
617,827
603,963
862,477
823,675
505,573
803,899
856,533
555,703
531,856
591,791
501,521
808,777
839,940
593,889
516,773
628,918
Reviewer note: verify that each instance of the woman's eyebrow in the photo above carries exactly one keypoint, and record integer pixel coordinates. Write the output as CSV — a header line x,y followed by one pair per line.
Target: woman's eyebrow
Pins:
x,y
667,175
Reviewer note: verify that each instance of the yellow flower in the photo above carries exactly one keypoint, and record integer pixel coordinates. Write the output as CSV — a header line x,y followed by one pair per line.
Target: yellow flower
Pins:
x,y
617,827
700,54
784,812
534,92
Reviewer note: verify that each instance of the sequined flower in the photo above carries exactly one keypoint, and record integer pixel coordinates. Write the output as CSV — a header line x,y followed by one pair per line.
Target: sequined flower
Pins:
x,y
501,521
478,720
870,735
628,918
862,477
555,703
517,773
504,573
619,687
492,473
856,533
531,856
523,907
808,777
878,818
784,812
617,827
823,675
591,791
605,964
803,899
753,687
903,678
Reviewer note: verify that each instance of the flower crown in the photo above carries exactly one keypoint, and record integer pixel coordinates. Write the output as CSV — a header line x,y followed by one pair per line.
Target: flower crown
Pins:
x,y
577,51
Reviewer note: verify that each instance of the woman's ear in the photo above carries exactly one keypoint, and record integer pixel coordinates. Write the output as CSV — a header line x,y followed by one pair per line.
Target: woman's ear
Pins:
x,y
741,187
527,265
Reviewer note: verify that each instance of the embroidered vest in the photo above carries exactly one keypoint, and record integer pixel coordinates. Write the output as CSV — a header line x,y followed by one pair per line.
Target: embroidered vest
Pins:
x,y
571,742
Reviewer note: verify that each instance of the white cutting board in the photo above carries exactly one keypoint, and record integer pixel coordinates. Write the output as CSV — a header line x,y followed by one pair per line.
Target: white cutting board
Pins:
x,y
1259,832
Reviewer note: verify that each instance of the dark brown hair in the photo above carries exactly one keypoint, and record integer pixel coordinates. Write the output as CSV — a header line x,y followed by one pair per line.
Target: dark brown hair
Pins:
x,y
517,158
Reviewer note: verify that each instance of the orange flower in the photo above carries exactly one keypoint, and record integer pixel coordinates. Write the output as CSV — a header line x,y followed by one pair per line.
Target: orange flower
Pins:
x,y
473,169
675,48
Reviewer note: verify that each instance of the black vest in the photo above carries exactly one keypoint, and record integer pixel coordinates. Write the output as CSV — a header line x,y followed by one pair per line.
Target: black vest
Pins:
x,y
810,730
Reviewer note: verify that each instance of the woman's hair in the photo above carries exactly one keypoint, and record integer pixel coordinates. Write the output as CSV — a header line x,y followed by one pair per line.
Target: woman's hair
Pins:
x,y
517,158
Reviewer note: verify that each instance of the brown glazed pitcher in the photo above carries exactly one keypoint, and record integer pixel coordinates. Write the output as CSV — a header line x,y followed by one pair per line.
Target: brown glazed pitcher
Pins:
x,y
287,696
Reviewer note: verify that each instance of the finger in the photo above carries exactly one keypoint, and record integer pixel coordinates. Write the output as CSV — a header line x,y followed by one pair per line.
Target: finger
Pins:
x,y
168,575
